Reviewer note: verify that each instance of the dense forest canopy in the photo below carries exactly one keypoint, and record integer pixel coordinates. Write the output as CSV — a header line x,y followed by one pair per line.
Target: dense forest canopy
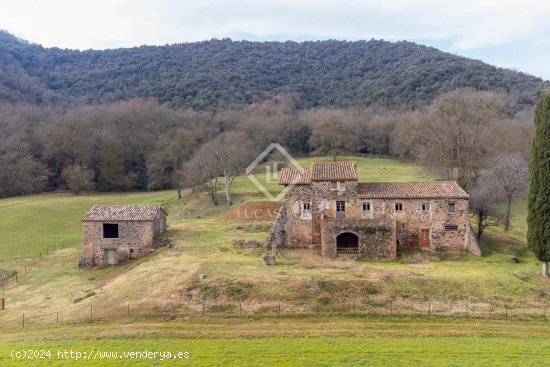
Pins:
x,y
223,74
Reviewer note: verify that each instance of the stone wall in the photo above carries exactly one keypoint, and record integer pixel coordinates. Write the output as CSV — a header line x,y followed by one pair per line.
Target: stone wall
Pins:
x,y
410,222
134,240
376,237
306,231
277,233
298,228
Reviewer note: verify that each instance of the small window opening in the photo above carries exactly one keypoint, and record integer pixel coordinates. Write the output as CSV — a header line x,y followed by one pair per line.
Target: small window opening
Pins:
x,y
425,207
334,185
110,230
398,207
131,250
451,227
451,207
306,207
366,207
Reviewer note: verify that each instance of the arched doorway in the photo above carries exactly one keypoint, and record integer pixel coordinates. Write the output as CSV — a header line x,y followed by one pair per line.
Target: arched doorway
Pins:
x,y
347,243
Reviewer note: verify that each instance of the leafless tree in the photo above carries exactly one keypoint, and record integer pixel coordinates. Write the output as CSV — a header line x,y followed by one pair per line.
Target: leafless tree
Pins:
x,y
485,195
78,178
202,171
455,133
510,173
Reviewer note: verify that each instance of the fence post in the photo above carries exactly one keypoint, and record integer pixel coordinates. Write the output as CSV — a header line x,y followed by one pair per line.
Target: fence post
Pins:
x,y
391,307
57,317
430,308
16,277
506,310
91,313
203,307
128,309
23,319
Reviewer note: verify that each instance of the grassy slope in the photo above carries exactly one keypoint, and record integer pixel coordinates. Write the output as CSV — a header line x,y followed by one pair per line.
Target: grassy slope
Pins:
x,y
204,239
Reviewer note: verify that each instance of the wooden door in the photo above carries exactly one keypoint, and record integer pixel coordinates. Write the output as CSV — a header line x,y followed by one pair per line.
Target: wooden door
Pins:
x,y
424,238
111,257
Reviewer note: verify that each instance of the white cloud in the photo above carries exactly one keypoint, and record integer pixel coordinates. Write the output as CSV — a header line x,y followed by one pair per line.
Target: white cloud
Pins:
x,y
465,26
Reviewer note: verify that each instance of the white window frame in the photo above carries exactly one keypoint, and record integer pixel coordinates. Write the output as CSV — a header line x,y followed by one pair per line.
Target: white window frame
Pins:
x,y
369,211
305,214
395,207
453,203
425,211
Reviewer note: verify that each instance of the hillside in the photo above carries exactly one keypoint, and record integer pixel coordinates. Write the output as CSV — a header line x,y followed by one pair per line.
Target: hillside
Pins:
x,y
204,236
222,73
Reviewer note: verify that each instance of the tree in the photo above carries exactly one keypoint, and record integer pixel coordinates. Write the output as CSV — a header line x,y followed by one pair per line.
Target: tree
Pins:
x,y
334,133
484,198
510,173
538,216
232,153
202,171
78,178
455,133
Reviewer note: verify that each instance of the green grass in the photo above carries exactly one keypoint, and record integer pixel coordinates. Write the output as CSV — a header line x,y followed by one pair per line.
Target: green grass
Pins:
x,y
32,224
204,245
321,341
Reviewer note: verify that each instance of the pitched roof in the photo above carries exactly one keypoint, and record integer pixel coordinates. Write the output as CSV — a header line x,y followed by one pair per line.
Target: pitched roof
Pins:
x,y
333,171
122,213
411,190
295,176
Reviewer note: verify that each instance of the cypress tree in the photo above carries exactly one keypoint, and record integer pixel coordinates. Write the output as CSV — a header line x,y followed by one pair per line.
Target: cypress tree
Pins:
x,y
538,217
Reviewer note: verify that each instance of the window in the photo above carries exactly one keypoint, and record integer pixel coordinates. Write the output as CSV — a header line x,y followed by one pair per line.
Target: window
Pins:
x,y
334,185
425,207
451,227
306,207
110,230
399,207
451,208
366,207
340,209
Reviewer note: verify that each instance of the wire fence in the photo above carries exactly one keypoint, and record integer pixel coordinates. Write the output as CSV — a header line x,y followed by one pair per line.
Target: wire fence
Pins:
x,y
10,277
171,310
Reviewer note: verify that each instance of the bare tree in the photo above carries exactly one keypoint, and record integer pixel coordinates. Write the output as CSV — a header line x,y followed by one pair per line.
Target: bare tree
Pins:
x,y
202,171
455,133
232,153
334,132
78,178
485,195
510,174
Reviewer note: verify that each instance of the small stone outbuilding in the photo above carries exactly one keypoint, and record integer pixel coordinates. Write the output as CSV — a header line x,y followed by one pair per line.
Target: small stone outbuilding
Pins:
x,y
327,208
113,234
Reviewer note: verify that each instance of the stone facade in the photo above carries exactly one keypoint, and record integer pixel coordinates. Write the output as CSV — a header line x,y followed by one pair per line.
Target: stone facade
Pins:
x,y
134,238
381,218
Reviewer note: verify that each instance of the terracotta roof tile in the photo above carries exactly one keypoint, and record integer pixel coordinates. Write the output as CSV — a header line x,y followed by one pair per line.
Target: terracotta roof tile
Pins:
x,y
411,190
122,213
333,171
295,176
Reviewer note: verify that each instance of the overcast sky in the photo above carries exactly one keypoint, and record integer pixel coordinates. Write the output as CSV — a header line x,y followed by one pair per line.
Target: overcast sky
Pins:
x,y
514,34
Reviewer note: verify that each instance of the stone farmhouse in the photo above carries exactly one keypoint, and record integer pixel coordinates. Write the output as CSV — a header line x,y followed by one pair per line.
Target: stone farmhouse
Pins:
x,y
113,234
326,208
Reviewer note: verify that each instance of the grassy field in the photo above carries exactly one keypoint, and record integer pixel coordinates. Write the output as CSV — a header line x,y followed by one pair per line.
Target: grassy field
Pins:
x,y
333,341
204,239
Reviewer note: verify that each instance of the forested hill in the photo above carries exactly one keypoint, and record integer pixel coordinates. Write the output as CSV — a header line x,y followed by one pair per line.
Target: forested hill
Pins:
x,y
222,73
